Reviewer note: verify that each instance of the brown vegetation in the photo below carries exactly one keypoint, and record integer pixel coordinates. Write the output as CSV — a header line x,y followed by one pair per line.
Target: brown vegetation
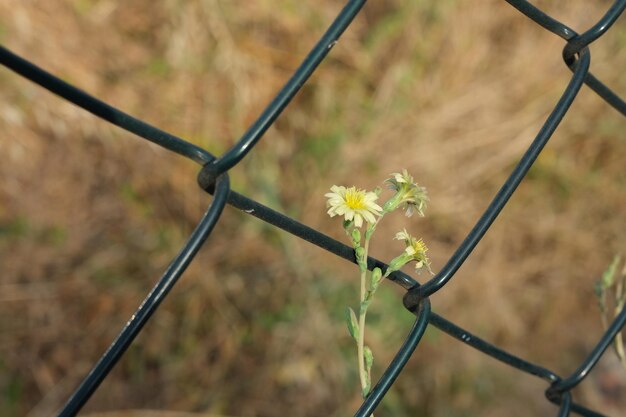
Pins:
x,y
453,91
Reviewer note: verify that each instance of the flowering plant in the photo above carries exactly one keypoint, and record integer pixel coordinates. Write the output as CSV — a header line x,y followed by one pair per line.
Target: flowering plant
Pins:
x,y
360,209
611,293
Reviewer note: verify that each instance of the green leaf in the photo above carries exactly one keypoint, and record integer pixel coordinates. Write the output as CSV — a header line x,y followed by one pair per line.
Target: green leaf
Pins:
x,y
369,358
353,324
608,277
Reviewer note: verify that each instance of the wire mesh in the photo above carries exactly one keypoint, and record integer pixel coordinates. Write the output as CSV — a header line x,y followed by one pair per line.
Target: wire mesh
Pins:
x,y
213,177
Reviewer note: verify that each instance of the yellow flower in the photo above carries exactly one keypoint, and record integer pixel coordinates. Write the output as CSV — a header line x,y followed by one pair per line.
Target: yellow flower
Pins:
x,y
415,249
354,204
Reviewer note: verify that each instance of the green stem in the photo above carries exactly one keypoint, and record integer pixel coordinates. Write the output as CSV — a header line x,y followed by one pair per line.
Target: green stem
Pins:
x,y
363,376
619,341
361,341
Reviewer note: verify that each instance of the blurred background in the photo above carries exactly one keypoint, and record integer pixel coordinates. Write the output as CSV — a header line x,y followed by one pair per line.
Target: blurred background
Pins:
x,y
453,91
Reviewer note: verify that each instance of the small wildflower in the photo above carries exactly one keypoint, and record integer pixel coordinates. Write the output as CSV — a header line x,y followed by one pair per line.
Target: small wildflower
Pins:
x,y
357,206
409,196
353,204
415,249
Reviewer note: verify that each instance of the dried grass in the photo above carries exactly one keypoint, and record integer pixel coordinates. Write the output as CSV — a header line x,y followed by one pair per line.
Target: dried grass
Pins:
x,y
453,91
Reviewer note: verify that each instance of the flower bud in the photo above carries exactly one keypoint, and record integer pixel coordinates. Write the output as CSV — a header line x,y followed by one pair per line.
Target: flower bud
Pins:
x,y
360,258
377,277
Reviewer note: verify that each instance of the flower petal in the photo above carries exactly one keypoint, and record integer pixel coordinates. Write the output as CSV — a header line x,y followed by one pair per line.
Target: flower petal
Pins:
x,y
358,220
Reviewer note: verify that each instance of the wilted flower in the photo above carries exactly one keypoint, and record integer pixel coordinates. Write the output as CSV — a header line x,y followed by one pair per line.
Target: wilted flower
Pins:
x,y
415,250
353,204
409,196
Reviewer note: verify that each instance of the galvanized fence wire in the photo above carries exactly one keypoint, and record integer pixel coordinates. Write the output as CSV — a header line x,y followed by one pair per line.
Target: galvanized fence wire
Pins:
x,y
213,178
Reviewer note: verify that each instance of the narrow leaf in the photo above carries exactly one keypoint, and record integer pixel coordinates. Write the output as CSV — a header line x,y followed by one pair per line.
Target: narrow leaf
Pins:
x,y
353,324
369,358
608,277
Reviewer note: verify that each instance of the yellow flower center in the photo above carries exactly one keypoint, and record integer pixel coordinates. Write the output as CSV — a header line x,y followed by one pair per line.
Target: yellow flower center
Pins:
x,y
419,246
355,199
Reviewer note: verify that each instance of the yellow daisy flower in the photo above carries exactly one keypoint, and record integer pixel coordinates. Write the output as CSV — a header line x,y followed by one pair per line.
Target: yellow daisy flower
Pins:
x,y
354,204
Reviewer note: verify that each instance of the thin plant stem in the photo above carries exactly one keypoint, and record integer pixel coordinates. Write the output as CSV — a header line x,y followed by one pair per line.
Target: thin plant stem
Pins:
x,y
363,377
361,340
619,305
619,301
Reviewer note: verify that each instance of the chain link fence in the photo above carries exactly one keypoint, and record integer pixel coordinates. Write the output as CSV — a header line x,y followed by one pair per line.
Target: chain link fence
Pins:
x,y
213,178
